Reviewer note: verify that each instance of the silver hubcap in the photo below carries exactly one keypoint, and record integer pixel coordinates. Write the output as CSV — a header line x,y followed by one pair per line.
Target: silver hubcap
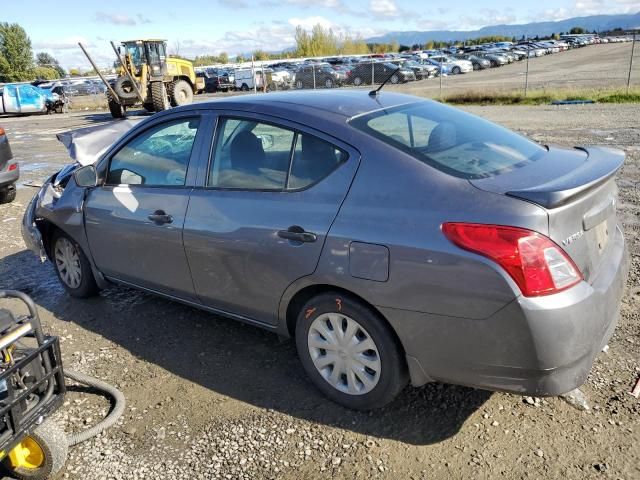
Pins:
x,y
68,263
344,353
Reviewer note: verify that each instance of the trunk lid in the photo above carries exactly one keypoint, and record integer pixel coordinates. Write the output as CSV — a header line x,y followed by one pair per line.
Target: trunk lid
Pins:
x,y
577,188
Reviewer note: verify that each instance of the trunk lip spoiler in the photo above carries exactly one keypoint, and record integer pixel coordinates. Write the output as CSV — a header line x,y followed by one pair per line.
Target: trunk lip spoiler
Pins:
x,y
551,195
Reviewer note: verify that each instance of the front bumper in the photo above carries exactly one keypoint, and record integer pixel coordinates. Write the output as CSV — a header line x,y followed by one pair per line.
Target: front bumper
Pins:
x,y
532,346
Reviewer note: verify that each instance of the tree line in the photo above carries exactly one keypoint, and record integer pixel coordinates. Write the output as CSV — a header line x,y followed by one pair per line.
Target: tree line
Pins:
x,y
17,62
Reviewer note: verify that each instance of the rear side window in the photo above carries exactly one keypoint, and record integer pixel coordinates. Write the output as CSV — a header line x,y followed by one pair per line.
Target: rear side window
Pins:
x,y
157,157
252,155
450,140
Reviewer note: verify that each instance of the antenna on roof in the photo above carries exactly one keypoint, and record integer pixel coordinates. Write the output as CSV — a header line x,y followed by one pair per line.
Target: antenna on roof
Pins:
x,y
374,93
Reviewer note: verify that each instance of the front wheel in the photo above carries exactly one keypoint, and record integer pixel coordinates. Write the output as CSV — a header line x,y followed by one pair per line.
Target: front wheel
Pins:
x,y
159,96
72,266
395,79
39,456
349,352
455,70
358,81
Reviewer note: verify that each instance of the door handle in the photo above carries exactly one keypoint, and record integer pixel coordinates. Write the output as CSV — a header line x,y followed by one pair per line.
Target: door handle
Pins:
x,y
297,234
160,217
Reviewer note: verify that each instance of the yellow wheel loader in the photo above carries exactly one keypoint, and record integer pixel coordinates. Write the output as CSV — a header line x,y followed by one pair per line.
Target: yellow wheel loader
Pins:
x,y
147,76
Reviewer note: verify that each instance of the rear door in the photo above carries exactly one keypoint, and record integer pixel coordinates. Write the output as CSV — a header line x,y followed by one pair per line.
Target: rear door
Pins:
x,y
134,220
260,218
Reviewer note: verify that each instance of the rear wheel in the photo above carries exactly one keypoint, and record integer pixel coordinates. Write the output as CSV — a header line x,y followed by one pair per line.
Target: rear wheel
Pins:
x,y
349,352
8,194
455,70
357,81
159,96
395,79
328,83
244,87
39,456
181,93
72,266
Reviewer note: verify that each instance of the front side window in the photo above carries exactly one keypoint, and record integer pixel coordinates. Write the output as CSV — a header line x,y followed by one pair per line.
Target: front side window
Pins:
x,y
251,155
450,140
157,157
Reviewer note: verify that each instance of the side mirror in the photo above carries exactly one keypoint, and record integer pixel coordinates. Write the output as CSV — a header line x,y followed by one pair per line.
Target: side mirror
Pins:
x,y
86,176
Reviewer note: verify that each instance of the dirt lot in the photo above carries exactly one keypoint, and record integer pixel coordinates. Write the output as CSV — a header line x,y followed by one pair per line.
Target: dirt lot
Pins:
x,y
211,398
595,66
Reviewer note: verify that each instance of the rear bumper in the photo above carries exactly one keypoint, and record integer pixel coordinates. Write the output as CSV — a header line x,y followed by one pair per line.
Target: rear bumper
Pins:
x,y
532,346
9,177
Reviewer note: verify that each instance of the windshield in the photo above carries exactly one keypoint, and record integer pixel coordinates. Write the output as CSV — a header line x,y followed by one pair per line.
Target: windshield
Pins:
x,y
137,53
450,140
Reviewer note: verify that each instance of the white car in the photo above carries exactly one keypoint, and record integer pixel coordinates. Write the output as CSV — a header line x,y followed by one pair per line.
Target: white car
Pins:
x,y
456,65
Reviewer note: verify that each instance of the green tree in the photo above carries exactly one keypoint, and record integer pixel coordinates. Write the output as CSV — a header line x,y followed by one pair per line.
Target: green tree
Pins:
x,y
223,57
74,72
576,31
16,56
45,73
261,55
43,59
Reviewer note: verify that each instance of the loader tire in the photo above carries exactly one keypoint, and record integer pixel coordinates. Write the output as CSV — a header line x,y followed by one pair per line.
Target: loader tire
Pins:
x,y
125,89
180,93
116,109
159,96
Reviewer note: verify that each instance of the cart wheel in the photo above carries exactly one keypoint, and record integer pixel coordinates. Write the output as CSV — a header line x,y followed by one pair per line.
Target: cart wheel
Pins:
x,y
41,455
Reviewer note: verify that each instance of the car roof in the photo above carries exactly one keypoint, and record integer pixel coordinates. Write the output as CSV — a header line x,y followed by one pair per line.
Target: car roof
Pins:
x,y
343,103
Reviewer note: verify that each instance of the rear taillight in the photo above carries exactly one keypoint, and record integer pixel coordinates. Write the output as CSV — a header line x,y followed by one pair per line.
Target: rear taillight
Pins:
x,y
536,264
12,167
1,131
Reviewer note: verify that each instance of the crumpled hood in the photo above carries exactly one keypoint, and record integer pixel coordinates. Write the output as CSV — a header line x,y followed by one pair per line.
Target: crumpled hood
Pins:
x,y
86,145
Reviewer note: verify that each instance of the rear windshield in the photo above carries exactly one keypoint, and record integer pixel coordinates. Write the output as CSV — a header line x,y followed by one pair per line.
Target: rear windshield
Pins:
x,y
450,140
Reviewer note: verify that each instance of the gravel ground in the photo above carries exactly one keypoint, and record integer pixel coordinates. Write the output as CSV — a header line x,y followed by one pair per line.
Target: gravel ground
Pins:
x,y
211,398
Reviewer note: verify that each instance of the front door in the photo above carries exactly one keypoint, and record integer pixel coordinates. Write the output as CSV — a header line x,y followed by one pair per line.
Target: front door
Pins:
x,y
259,222
134,221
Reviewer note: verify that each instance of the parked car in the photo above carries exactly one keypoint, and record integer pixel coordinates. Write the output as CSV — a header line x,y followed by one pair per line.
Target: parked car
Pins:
x,y
316,75
495,59
25,98
9,170
421,71
457,66
393,237
216,80
370,72
443,68
478,63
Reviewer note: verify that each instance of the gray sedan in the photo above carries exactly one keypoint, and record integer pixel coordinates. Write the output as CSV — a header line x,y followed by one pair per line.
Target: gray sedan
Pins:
x,y
395,238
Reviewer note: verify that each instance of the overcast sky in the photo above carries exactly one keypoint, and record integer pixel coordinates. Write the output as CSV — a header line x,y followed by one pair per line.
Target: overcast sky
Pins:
x,y
236,26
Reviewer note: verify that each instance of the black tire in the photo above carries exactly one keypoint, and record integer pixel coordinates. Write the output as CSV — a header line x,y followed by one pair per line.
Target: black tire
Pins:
x,y
455,70
393,375
494,63
159,97
328,83
8,194
116,109
87,286
244,87
124,88
299,84
395,79
149,107
476,66
180,93
357,81
53,442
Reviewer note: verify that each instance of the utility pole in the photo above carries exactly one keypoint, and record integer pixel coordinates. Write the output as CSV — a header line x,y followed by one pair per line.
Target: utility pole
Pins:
x,y
526,75
633,46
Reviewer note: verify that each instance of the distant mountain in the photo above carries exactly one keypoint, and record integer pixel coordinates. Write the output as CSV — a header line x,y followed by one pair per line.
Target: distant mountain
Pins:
x,y
590,23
